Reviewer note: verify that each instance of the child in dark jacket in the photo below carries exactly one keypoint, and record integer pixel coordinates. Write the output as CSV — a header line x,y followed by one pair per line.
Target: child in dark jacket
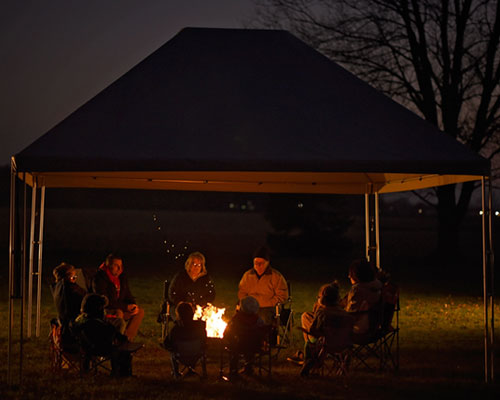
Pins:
x,y
244,335
100,338
187,336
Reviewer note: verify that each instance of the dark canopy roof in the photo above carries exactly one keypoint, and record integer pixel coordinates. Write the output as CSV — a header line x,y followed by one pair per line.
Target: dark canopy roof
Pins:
x,y
245,110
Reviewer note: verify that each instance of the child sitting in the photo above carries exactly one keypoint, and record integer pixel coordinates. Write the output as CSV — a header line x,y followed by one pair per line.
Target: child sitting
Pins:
x,y
244,335
186,341
100,338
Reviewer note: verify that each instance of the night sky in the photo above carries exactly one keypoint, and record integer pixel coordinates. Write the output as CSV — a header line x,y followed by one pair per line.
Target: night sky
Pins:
x,y
57,54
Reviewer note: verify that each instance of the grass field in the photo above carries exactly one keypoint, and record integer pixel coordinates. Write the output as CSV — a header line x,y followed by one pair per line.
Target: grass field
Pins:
x,y
441,319
441,357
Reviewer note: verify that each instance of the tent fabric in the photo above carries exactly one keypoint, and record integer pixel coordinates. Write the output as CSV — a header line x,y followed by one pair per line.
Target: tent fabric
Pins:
x,y
245,110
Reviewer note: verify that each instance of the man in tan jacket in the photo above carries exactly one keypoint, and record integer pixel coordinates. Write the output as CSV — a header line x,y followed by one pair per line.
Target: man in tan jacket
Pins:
x,y
264,283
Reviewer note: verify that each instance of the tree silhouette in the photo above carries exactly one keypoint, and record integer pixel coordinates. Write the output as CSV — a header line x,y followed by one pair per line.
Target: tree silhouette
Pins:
x,y
439,58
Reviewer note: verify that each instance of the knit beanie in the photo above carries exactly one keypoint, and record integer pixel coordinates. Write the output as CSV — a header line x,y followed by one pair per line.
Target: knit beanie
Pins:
x,y
262,252
249,305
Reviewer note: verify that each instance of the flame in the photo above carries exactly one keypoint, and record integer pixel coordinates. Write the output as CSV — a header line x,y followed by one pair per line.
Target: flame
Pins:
x,y
213,318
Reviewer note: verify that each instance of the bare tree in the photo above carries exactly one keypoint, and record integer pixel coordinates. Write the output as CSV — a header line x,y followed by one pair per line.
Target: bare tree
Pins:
x,y
439,58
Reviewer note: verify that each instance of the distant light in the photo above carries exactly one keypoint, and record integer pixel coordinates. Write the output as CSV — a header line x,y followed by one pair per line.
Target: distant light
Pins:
x,y
300,204
243,206
481,212
231,205
497,213
420,211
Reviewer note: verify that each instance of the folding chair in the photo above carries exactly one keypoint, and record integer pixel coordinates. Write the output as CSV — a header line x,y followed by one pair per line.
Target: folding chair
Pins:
x,y
379,347
100,353
62,358
165,317
283,324
251,346
94,357
332,352
186,355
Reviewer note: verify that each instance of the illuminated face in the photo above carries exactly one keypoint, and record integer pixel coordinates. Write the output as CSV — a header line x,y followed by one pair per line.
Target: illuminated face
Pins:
x,y
195,267
72,275
116,267
260,265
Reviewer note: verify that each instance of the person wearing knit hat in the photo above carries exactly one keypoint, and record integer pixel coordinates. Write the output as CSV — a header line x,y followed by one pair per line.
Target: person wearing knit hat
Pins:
x,y
244,334
249,305
266,284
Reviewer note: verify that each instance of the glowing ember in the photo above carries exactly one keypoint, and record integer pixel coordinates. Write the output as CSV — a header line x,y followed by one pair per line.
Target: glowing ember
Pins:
x,y
213,318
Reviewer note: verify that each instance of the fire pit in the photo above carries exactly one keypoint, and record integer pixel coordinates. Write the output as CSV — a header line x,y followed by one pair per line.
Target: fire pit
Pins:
x,y
212,316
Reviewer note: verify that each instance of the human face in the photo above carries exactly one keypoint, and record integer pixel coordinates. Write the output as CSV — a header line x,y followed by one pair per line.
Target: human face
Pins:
x,y
195,267
72,275
116,267
260,265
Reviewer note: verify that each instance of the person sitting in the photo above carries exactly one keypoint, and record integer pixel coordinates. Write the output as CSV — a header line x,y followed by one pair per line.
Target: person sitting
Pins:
x,y
68,297
192,284
365,292
111,281
244,335
265,284
185,330
329,319
100,338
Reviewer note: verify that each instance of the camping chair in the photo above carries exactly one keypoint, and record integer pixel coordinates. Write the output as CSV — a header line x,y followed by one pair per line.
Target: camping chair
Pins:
x,y
62,358
283,324
165,317
186,355
379,347
331,353
250,346
98,348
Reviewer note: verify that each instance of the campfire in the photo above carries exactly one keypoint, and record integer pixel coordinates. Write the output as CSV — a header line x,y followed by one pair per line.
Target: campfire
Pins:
x,y
213,318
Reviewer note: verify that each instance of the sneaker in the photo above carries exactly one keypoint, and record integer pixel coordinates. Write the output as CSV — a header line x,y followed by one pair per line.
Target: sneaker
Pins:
x,y
297,358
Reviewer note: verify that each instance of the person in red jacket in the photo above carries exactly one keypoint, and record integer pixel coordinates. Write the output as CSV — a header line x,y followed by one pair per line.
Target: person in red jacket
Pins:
x,y
111,281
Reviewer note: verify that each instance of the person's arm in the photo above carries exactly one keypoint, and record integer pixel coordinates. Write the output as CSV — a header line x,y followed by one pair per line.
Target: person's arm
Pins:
x,y
175,294
280,289
126,296
354,300
243,287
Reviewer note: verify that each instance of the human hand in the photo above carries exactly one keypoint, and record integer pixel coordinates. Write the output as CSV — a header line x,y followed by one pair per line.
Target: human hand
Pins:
x,y
133,309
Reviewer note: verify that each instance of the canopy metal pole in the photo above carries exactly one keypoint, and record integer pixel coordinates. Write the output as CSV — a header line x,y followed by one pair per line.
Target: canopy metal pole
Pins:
x,y
488,270
39,270
372,227
32,251
22,295
367,226
377,231
492,281
12,223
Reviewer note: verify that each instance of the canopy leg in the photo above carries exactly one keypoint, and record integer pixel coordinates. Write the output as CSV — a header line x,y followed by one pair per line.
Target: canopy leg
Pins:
x,y
372,229
12,232
488,275
39,270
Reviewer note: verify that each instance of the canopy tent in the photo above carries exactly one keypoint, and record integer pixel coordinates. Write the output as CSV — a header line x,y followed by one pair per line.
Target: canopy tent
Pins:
x,y
248,111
